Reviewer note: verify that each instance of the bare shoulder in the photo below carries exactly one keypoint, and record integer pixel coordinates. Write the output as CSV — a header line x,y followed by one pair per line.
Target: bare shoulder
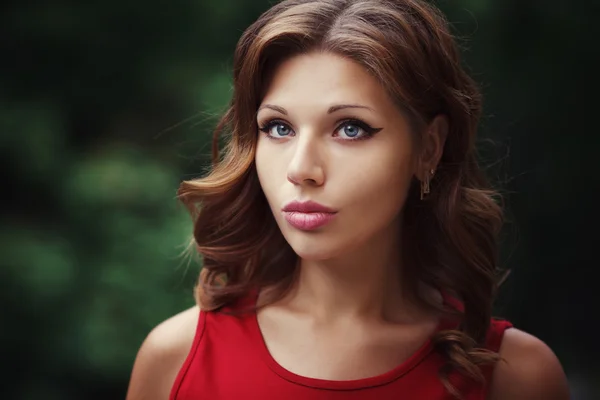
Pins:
x,y
161,356
529,370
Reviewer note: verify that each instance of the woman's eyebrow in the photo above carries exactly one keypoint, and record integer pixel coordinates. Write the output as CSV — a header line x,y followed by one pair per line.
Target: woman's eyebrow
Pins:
x,y
333,109
280,110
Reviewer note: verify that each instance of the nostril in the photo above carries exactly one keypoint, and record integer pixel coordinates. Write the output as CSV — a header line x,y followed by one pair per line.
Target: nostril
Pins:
x,y
294,181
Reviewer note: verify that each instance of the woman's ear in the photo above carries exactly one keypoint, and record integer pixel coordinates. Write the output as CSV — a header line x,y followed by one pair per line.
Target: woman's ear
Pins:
x,y
432,145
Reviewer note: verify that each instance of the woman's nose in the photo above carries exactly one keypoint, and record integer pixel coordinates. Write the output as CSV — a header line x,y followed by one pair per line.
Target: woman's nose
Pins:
x,y
306,164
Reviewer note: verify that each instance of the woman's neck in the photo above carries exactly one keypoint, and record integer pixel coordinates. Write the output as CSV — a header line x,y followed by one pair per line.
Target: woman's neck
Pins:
x,y
365,283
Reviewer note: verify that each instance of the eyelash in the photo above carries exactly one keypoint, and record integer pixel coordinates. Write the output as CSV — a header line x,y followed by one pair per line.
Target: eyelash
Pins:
x,y
369,130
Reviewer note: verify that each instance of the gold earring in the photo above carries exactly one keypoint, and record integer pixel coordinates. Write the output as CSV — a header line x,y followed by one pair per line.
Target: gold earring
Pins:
x,y
426,183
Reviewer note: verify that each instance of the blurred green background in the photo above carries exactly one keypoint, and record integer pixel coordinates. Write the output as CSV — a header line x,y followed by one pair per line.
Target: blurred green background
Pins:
x,y
105,106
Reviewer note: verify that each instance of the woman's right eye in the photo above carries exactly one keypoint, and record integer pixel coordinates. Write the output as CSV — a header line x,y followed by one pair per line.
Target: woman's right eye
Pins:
x,y
276,129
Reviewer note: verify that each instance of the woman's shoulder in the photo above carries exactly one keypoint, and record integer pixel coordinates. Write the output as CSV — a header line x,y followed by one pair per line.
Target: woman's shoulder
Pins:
x,y
528,369
162,355
173,335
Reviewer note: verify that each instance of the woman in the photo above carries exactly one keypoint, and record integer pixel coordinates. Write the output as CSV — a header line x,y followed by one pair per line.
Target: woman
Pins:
x,y
348,236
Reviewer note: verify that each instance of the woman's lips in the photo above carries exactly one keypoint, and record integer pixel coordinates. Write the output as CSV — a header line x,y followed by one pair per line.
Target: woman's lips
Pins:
x,y
307,215
308,221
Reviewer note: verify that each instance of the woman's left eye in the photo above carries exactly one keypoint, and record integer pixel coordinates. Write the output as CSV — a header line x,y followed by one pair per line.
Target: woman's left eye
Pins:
x,y
355,130
350,130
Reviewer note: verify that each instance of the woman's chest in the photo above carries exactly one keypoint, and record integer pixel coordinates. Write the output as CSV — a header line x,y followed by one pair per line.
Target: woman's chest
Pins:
x,y
344,352
232,361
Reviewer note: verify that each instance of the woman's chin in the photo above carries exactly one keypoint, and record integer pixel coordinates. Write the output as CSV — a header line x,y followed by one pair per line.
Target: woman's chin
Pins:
x,y
314,249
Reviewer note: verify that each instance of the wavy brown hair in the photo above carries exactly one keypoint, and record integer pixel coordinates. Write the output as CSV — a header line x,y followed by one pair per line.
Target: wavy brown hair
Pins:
x,y
407,45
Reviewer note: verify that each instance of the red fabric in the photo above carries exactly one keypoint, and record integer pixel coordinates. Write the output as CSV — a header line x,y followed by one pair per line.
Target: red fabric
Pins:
x,y
229,361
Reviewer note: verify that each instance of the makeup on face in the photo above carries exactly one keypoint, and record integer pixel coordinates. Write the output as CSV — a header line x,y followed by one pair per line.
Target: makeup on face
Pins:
x,y
334,155
308,215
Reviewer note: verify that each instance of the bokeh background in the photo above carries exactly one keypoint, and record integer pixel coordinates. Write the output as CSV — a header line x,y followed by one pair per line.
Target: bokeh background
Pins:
x,y
105,106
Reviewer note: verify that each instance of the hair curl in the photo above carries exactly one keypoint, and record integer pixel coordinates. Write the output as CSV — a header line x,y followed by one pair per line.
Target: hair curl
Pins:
x,y
407,45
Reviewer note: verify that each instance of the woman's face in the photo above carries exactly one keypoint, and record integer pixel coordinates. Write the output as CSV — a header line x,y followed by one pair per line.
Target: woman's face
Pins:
x,y
329,133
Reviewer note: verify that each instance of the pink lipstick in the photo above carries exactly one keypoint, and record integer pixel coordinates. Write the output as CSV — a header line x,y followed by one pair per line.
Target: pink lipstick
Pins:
x,y
307,215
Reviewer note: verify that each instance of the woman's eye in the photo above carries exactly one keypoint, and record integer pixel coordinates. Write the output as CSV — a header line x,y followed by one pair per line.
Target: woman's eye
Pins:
x,y
276,129
350,131
281,130
354,129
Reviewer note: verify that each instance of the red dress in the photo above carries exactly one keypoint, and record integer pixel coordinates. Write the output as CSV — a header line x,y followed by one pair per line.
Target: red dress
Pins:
x,y
230,361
